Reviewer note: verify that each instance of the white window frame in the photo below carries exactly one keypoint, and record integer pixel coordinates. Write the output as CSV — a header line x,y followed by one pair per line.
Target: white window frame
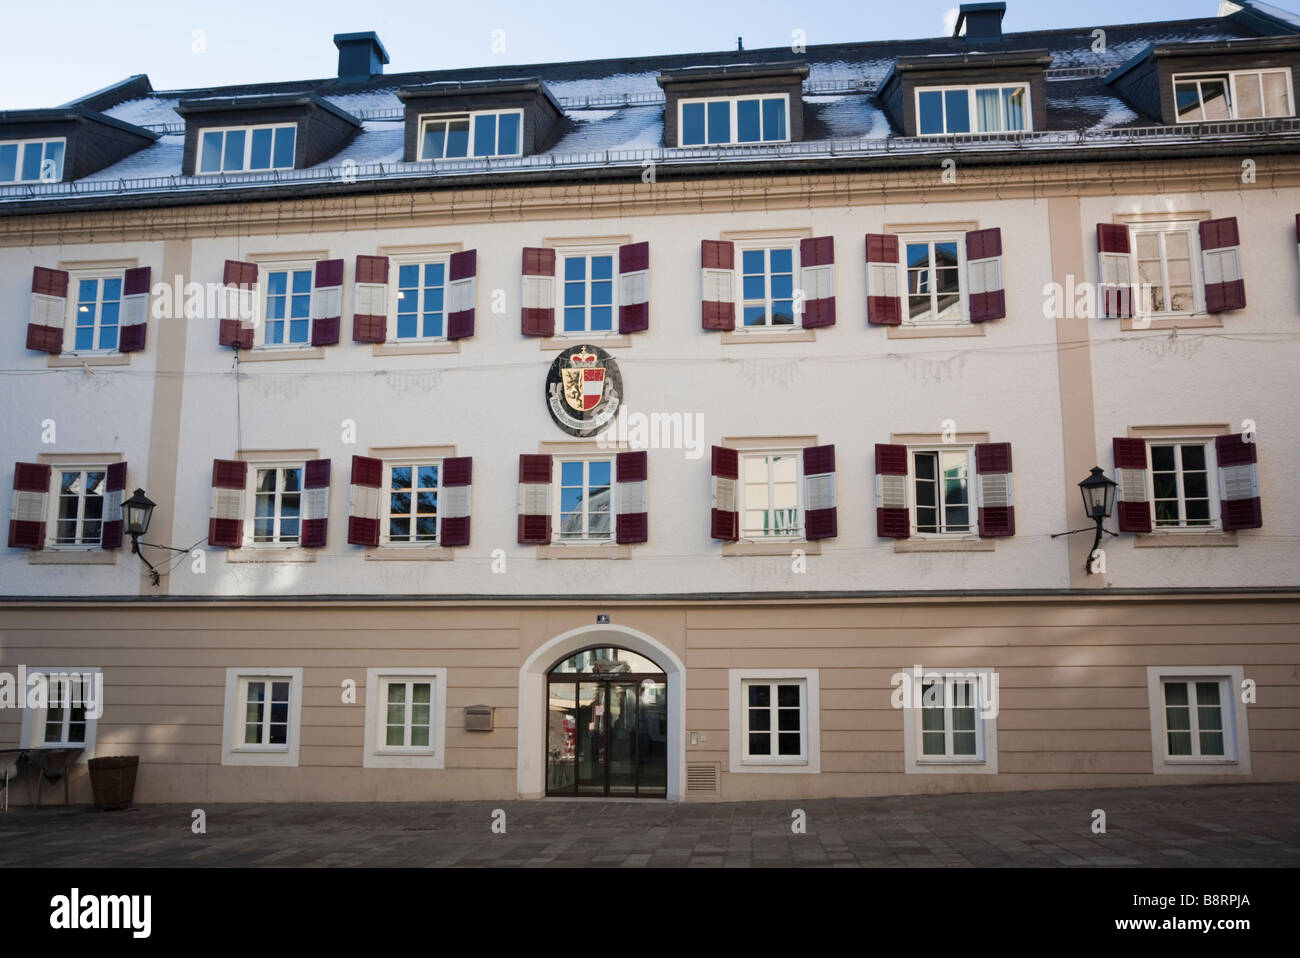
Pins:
x,y
73,301
972,487
1212,484
414,463
1191,228
984,762
738,681
799,532
31,732
557,506
738,284
561,254
248,147
963,284
23,146
471,116
734,125
234,751
1236,731
264,271
419,260
379,755
52,523
250,495
973,113
1231,76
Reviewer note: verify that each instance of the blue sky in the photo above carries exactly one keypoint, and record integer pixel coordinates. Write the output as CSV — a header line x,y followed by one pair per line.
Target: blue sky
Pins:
x,y
56,50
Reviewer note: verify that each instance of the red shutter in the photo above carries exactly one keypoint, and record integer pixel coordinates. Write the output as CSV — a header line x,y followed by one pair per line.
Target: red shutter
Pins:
x,y
226,525
987,295
364,507
884,289
1221,260
634,287
892,518
725,522
454,504
135,310
49,307
240,280
534,500
461,288
1132,507
817,276
538,313
370,301
27,515
718,297
821,520
110,532
1114,271
997,510
327,302
630,524
1238,483
315,502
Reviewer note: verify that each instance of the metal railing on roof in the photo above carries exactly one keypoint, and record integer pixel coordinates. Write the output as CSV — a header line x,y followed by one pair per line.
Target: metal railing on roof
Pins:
x,y
344,172
1080,72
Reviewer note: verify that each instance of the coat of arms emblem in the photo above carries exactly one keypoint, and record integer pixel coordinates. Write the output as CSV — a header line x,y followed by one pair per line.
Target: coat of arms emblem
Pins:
x,y
583,390
584,381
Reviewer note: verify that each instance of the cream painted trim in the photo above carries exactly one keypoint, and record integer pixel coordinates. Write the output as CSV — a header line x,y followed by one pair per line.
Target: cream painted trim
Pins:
x,y
418,249
1235,675
730,338
768,442
292,256
785,547
741,236
33,720
945,545
1179,540
1164,216
267,455
55,556
952,226
66,360
913,764
411,452
436,758
416,349
927,438
1192,430
1193,321
232,720
77,459
735,703
612,551
273,354
561,242
934,332
271,554
579,447
71,265
549,343
410,554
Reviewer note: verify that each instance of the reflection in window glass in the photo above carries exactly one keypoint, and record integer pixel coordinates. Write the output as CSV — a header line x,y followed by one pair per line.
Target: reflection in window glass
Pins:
x,y
933,282
607,660
585,494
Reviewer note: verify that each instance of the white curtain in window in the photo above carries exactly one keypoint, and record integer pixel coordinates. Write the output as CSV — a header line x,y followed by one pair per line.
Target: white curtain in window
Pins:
x,y
988,109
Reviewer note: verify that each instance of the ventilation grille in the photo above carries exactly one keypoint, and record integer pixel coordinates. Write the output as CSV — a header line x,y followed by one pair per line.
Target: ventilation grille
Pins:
x,y
702,777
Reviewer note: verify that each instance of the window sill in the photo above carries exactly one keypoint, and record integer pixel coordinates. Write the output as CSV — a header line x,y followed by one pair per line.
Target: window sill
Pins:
x,y
1190,321
785,336
434,553
603,340
952,768
934,332
1185,540
440,348
789,768
613,551
274,354
426,760
273,554
64,360
945,545
784,547
94,556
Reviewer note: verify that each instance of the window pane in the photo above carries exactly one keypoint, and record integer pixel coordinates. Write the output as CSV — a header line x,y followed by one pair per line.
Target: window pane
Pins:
x,y
692,124
1214,98
434,141
233,158
8,162
957,103
774,119
1187,99
747,121
260,152
1276,100
284,140
508,134
485,135
760,695
988,111
53,169
760,720
931,110
458,138
720,121
1162,458
32,156
1014,99
788,743
1248,103
1193,457
787,696
760,744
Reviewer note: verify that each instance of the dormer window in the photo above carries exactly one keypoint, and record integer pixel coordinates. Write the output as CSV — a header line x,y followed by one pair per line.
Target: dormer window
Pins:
x,y
470,134
734,120
1001,108
32,161
236,149
1233,95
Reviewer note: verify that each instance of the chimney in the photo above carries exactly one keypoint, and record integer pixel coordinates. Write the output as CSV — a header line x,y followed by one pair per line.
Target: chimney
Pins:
x,y
361,55
982,22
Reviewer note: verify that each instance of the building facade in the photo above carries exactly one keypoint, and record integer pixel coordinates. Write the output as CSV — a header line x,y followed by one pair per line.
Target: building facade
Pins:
x,y
699,428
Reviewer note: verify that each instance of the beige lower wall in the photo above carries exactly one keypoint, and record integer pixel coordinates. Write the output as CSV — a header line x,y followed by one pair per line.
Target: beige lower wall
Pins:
x,y
1073,671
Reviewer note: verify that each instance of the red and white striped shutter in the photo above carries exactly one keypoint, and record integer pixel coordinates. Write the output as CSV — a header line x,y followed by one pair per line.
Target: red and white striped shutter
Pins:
x,y
892,518
537,317
454,502
364,504
821,520
997,508
1221,260
226,524
315,502
240,280
135,310
1114,270
725,520
461,288
633,287
884,287
1132,505
27,517
534,499
817,277
717,284
987,297
327,302
370,300
110,532
630,524
1238,483
49,307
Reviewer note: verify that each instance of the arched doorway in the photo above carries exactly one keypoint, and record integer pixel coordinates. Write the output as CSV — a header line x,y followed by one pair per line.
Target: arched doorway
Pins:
x,y
607,725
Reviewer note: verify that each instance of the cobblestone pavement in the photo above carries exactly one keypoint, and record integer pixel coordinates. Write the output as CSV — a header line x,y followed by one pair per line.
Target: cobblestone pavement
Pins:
x,y
1212,825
